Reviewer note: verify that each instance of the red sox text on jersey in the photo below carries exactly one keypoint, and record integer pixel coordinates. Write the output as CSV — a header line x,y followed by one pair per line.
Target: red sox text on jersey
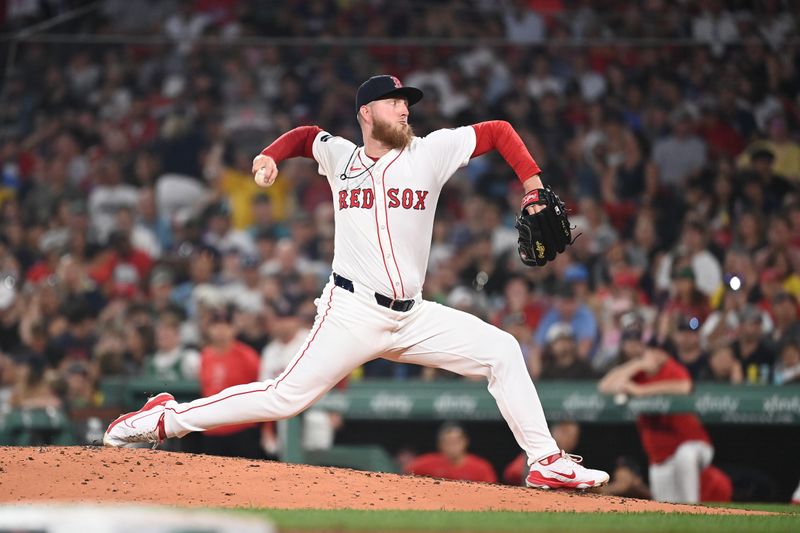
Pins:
x,y
365,198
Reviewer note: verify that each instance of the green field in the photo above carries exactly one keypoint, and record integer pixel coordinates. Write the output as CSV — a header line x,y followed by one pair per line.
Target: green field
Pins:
x,y
349,520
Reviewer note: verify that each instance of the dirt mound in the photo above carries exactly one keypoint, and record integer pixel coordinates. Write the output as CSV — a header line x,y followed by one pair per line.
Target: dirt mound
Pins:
x,y
158,477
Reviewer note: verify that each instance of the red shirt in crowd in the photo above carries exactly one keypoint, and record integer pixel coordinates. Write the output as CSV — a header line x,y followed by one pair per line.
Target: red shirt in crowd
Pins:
x,y
515,472
122,275
220,370
532,315
662,434
715,485
39,271
472,468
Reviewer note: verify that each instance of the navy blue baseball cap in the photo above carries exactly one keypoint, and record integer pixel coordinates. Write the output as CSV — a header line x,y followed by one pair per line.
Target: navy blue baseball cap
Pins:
x,y
385,86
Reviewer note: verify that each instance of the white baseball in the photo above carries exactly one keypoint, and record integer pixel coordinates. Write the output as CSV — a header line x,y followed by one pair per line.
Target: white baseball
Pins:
x,y
261,174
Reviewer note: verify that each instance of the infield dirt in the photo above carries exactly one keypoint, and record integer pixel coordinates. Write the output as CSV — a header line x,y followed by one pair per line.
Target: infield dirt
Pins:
x,y
92,474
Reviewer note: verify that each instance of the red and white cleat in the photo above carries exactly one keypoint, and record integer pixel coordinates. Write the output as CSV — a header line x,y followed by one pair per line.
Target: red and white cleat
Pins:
x,y
564,471
144,425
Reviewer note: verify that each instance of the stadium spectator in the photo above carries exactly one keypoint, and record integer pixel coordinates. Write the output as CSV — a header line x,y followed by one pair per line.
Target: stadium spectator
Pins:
x,y
680,155
677,445
722,325
81,387
76,342
518,300
780,252
755,356
523,25
560,358
627,481
34,387
784,151
688,348
222,235
786,327
142,238
686,301
225,362
787,370
121,270
716,26
171,360
452,461
693,253
202,265
774,186
8,380
568,309
161,287
723,366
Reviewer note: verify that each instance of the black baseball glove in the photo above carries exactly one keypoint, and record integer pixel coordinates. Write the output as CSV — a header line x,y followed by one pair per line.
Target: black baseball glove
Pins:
x,y
544,234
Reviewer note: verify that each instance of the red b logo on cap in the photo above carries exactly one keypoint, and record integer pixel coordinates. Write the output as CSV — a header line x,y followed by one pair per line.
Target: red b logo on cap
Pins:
x,y
397,83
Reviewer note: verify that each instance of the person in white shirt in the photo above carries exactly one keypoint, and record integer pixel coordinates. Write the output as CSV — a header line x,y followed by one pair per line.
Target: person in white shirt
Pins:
x,y
706,267
715,26
288,334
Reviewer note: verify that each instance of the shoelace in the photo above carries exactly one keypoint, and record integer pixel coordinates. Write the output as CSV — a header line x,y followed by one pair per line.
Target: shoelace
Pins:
x,y
145,436
572,457
578,459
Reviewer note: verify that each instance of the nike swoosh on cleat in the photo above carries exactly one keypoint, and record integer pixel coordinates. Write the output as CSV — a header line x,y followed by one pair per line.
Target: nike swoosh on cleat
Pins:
x,y
572,476
130,422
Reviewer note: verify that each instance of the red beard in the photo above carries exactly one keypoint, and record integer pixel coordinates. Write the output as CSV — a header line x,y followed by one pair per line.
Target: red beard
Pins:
x,y
393,137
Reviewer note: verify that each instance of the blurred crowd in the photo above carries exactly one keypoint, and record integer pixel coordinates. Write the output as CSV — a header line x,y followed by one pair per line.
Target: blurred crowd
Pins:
x,y
134,242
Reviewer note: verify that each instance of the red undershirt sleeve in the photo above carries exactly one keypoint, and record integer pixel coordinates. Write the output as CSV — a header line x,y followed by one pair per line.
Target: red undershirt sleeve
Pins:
x,y
294,143
500,135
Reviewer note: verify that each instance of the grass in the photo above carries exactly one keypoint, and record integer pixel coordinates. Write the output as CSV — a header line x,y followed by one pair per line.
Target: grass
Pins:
x,y
405,521
769,507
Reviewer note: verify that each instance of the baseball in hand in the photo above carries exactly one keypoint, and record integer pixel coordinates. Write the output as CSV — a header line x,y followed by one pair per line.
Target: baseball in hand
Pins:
x,y
264,170
261,175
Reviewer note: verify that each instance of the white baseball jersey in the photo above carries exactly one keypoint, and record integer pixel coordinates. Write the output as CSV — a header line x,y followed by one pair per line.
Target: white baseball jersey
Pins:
x,y
385,208
384,225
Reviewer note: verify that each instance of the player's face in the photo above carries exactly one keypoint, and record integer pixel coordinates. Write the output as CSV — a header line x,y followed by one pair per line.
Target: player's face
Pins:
x,y
390,122
392,110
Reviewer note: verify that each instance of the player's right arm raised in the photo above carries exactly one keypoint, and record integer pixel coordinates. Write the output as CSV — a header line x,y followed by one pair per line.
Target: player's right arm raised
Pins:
x,y
294,143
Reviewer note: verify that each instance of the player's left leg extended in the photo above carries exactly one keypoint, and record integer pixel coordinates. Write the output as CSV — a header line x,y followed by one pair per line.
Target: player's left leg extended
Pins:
x,y
345,334
438,336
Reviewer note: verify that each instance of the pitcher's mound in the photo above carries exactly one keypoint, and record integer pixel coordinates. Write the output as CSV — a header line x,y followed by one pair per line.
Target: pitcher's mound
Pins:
x,y
167,478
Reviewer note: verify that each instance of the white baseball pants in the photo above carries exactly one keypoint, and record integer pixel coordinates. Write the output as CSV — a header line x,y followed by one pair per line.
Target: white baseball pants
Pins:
x,y
351,329
677,480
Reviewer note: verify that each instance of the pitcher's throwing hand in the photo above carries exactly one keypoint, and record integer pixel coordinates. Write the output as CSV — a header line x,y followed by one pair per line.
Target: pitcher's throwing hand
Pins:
x,y
264,170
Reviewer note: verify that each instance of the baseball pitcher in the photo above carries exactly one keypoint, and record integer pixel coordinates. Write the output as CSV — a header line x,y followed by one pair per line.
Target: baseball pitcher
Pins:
x,y
385,194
